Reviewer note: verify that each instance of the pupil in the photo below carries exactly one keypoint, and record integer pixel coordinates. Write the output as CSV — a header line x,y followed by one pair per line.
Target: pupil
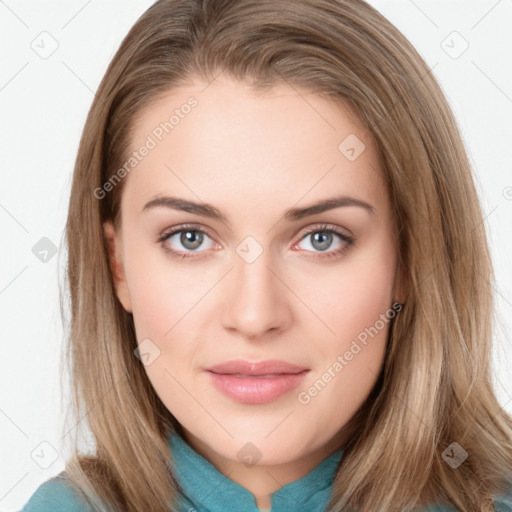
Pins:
x,y
187,239
324,240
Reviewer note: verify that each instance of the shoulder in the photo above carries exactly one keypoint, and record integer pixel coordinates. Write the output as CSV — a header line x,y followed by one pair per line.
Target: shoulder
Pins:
x,y
502,503
55,495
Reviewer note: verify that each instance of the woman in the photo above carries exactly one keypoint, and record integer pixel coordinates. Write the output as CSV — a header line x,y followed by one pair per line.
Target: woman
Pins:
x,y
279,274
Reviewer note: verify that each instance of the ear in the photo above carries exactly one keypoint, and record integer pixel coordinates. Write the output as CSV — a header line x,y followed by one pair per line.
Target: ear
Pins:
x,y
400,287
116,265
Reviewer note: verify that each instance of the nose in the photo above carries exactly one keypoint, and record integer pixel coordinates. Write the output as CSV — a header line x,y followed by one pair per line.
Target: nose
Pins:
x,y
256,299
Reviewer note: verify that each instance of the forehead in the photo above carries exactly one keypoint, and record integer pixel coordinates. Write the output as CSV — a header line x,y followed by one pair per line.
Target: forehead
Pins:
x,y
225,142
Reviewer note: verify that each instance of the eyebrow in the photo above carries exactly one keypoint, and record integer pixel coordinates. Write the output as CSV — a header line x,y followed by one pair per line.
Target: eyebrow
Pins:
x,y
292,214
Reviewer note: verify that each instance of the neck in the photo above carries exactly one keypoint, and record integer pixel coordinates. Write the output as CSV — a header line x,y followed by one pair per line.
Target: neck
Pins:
x,y
263,480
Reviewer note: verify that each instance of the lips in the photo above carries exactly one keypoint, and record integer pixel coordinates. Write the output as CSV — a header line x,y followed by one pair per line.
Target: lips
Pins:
x,y
270,368
258,382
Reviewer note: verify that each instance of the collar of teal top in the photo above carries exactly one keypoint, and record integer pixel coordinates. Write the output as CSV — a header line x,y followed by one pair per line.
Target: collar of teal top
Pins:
x,y
206,489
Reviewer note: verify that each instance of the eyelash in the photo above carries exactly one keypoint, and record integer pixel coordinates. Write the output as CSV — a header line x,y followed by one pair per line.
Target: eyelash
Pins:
x,y
323,228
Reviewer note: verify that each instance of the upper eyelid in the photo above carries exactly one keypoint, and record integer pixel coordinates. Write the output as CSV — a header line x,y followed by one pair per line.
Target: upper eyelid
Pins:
x,y
184,227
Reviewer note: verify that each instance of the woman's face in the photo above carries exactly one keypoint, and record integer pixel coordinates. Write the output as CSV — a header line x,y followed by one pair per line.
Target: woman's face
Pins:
x,y
257,275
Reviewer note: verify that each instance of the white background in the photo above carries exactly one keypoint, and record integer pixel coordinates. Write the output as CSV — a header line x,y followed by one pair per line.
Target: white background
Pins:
x,y
44,103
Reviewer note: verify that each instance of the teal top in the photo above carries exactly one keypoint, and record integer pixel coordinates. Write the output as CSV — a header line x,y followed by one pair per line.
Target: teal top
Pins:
x,y
206,489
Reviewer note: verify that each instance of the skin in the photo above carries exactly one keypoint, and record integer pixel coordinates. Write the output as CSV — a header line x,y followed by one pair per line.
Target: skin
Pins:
x,y
253,156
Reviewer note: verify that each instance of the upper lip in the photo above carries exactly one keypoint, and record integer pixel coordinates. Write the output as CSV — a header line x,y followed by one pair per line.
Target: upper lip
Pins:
x,y
269,367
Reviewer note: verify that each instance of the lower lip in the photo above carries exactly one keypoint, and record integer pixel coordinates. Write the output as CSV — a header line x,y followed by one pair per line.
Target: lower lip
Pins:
x,y
256,390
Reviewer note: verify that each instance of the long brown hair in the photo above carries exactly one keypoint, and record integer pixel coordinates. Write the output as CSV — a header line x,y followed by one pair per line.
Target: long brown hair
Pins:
x,y
435,387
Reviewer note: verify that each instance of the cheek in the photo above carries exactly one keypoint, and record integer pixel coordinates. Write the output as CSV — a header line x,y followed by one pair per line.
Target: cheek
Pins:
x,y
356,307
165,299
163,303
349,363
349,298
163,292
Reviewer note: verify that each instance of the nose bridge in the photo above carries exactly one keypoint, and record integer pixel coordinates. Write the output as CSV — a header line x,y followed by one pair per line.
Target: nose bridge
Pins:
x,y
252,271
257,299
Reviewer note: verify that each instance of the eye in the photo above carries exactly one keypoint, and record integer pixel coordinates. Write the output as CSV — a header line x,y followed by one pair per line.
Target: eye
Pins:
x,y
322,237
191,237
